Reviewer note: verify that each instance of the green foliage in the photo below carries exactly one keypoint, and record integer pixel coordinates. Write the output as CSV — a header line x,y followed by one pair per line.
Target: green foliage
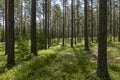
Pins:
x,y
23,51
83,62
114,71
115,67
2,63
58,63
80,38
40,39
70,67
2,58
2,36
35,69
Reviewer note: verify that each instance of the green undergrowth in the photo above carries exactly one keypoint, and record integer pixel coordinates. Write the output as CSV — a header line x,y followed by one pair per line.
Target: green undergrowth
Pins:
x,y
63,63
2,58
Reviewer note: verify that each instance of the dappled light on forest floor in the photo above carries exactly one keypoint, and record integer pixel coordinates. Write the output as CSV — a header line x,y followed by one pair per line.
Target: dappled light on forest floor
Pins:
x,y
62,63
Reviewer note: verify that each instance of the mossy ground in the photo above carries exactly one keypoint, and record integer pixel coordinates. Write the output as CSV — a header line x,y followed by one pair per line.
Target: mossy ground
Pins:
x,y
62,63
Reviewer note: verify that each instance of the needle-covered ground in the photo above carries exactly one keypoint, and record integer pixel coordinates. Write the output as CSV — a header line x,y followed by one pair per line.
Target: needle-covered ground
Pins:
x,y
62,63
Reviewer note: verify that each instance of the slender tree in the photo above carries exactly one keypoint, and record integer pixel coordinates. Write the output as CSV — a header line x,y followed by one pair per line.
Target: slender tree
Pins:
x,y
102,70
72,23
110,20
10,35
92,20
33,28
6,26
119,21
86,47
63,23
78,18
49,10
46,23
21,16
114,22
97,20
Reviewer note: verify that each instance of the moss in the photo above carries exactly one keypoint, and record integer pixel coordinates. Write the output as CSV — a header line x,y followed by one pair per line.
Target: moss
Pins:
x,y
62,63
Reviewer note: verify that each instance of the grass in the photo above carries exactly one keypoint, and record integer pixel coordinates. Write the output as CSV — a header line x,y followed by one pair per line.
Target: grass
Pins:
x,y
62,63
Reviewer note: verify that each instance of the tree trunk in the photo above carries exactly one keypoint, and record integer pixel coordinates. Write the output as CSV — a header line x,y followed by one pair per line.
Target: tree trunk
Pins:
x,y
119,21
10,34
49,10
86,47
102,70
92,20
63,33
72,12
46,23
114,23
74,16
97,25
6,26
78,19
33,28
110,20
21,17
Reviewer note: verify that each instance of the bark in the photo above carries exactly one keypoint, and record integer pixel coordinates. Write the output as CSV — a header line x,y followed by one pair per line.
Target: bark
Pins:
x,y
110,20
63,33
92,20
102,70
6,39
33,28
86,47
49,10
78,18
119,21
72,31
46,23
10,35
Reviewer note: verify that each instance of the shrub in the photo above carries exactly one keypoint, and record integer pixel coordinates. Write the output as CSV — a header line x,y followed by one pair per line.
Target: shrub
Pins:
x,y
23,51
40,39
83,61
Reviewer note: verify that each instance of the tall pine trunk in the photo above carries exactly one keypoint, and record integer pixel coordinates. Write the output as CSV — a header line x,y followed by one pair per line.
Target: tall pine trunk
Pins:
x,y
63,23
86,47
10,35
33,28
6,26
102,70
46,23
72,31
119,22
92,20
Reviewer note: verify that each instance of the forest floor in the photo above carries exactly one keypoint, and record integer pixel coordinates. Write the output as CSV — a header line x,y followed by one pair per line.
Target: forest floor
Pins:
x,y
63,63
